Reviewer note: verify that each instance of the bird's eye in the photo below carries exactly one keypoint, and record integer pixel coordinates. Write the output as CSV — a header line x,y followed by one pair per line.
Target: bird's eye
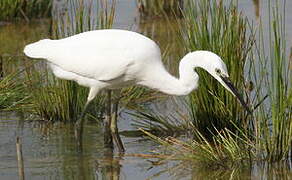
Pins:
x,y
218,71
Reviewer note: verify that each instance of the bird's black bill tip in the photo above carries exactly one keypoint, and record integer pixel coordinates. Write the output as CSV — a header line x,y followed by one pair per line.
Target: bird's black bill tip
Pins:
x,y
236,93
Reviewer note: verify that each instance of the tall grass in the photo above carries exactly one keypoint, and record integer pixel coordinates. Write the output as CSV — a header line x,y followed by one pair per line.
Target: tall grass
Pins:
x,y
12,92
274,125
221,29
24,9
226,150
159,8
228,139
82,16
60,100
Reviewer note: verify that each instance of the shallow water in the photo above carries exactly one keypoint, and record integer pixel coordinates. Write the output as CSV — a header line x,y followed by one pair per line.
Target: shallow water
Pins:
x,y
50,153
50,150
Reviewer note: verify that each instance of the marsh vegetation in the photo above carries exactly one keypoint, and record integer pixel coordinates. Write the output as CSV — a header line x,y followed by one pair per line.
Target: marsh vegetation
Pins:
x,y
160,9
224,136
24,9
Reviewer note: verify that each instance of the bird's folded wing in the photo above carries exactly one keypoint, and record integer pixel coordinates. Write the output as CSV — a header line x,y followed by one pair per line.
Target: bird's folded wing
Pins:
x,y
102,67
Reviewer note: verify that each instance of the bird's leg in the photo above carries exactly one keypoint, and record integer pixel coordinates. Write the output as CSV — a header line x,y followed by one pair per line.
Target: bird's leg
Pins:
x,y
114,126
80,122
108,140
79,126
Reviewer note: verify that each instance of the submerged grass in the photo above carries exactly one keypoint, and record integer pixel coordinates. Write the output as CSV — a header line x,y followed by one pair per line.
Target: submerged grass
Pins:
x,y
24,9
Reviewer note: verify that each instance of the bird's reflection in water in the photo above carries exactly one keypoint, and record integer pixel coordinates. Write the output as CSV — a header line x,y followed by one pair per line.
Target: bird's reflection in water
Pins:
x,y
108,168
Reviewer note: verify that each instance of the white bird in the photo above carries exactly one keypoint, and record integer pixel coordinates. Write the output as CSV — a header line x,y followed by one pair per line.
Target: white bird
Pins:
x,y
112,59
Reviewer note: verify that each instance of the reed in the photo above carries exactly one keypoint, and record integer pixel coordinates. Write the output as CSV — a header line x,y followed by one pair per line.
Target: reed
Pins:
x,y
273,120
159,8
221,29
12,92
24,9
226,150
264,137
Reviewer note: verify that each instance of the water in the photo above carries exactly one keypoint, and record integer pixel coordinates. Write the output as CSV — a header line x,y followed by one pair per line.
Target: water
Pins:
x,y
50,153
50,150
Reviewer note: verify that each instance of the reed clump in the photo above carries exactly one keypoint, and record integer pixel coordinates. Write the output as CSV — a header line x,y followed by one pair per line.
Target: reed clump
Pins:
x,y
13,95
223,136
160,8
226,150
273,125
221,29
24,9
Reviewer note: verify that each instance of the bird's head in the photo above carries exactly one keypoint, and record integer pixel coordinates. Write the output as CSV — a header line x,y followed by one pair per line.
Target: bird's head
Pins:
x,y
217,68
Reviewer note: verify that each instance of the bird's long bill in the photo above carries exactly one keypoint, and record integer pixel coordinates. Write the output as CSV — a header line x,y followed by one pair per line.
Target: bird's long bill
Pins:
x,y
234,91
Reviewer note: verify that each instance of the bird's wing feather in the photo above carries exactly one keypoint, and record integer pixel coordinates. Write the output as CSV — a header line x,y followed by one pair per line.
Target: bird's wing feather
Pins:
x,y
96,68
95,61
104,54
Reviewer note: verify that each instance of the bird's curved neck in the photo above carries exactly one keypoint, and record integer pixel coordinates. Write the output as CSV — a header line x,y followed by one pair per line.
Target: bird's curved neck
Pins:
x,y
188,78
187,81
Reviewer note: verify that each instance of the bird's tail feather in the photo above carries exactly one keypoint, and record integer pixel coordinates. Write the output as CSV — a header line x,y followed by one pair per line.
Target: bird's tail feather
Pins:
x,y
38,49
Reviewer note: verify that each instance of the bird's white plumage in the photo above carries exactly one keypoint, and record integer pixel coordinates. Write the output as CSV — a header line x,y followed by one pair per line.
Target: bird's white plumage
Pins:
x,y
103,55
116,58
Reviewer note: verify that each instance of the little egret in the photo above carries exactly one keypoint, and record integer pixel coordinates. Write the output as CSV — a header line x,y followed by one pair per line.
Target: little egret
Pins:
x,y
112,59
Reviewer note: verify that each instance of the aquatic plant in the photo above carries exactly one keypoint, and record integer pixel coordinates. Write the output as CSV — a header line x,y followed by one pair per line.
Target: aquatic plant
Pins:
x,y
226,150
273,125
81,16
221,29
24,9
159,8
12,91
267,135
